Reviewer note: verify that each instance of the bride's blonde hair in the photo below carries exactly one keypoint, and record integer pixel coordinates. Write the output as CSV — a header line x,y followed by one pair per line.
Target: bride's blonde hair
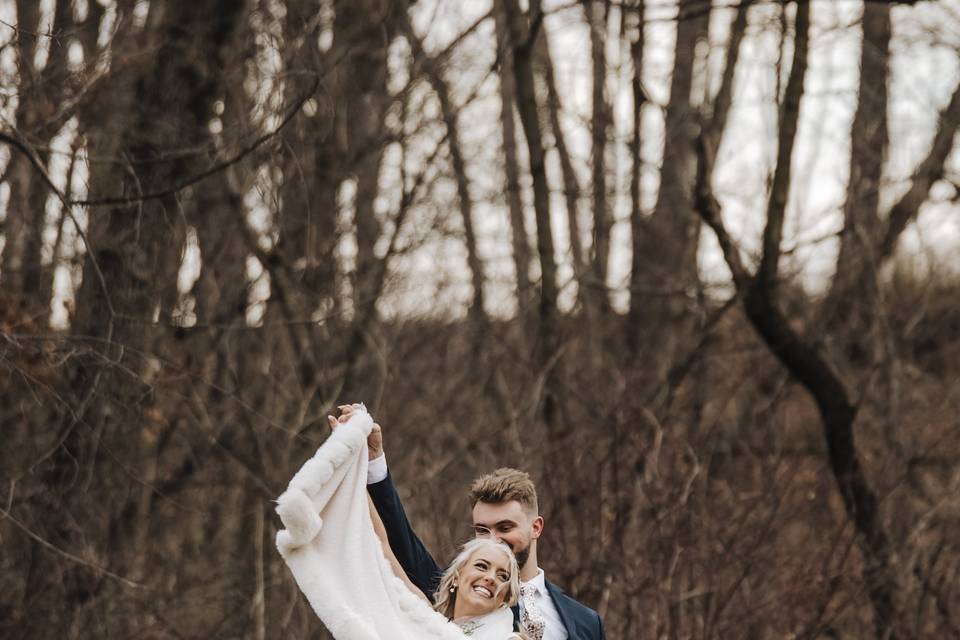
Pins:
x,y
445,599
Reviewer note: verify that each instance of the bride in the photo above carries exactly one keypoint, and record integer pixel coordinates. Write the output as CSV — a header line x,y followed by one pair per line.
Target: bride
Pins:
x,y
337,549
478,589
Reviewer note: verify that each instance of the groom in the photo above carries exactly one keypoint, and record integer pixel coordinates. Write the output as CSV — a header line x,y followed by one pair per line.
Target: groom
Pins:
x,y
505,507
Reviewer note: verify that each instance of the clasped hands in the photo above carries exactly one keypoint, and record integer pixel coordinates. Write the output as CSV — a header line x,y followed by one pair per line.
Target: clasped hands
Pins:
x,y
374,440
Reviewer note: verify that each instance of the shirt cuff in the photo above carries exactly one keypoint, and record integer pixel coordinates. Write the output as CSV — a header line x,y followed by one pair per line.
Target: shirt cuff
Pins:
x,y
377,469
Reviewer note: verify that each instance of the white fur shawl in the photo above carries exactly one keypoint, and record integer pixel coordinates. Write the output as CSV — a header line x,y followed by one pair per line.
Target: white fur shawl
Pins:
x,y
335,556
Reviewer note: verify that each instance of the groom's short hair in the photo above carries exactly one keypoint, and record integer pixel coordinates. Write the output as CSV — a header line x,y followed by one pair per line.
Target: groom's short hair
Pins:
x,y
504,485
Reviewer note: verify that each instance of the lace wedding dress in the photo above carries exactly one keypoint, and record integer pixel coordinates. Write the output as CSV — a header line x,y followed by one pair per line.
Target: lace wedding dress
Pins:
x,y
497,625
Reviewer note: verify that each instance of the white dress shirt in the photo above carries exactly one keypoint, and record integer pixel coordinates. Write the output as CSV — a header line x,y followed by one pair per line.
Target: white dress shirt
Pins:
x,y
377,469
554,629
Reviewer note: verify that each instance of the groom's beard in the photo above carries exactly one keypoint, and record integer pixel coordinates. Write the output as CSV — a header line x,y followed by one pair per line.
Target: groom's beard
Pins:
x,y
522,555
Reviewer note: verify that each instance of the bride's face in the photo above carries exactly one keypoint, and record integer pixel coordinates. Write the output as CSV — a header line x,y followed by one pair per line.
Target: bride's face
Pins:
x,y
481,582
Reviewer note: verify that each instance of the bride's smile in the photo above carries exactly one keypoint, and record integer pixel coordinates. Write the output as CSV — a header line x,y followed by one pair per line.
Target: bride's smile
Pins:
x,y
481,582
483,591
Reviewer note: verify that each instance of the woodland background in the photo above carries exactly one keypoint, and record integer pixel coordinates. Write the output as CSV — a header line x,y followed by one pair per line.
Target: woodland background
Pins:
x,y
221,218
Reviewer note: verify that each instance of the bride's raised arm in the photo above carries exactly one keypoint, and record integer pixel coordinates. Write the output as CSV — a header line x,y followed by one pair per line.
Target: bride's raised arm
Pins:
x,y
388,552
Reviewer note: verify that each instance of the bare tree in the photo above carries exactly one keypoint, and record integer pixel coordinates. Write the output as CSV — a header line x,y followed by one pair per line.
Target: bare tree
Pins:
x,y
523,34
670,239
518,227
597,16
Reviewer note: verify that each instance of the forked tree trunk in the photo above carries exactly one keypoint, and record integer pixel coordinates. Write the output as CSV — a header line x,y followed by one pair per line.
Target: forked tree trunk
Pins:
x,y
362,32
668,244
548,339
518,225
850,319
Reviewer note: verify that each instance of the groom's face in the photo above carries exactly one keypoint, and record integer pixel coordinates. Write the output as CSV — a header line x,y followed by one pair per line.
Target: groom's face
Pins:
x,y
508,523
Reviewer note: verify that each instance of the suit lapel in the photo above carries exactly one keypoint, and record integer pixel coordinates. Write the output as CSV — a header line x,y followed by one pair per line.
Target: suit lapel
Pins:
x,y
556,596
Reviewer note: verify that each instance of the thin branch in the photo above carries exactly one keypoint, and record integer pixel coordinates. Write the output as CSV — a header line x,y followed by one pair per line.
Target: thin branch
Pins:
x,y
724,98
780,190
216,168
35,34
928,172
708,207
6,515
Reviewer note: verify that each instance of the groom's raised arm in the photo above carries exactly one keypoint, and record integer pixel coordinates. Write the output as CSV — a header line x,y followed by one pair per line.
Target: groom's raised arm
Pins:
x,y
413,556
416,561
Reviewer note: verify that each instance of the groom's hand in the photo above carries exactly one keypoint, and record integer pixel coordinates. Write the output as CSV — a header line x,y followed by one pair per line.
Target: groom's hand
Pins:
x,y
375,443
374,440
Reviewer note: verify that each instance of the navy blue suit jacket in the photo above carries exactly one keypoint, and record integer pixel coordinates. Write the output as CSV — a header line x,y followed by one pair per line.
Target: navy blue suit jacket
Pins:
x,y
581,622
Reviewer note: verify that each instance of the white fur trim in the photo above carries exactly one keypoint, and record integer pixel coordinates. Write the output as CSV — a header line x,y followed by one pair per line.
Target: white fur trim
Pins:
x,y
299,516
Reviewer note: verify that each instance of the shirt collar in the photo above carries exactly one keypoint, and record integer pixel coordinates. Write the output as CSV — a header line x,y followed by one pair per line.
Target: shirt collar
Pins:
x,y
538,582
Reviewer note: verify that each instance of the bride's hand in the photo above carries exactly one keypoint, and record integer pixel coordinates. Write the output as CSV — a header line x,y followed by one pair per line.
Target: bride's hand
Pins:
x,y
374,440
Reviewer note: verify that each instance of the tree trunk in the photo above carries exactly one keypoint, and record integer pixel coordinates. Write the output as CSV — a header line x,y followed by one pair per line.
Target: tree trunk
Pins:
x,y
363,31
674,224
671,235
571,184
518,227
596,295
38,119
450,116
637,266
313,167
850,317
522,32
